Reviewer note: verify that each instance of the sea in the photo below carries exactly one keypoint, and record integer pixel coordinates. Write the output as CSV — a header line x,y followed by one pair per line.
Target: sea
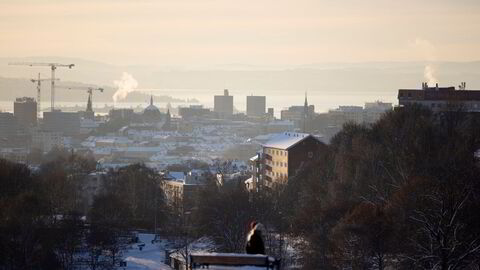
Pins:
x,y
279,101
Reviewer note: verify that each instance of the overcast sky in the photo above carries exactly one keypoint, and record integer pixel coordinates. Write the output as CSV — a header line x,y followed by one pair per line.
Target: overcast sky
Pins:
x,y
213,32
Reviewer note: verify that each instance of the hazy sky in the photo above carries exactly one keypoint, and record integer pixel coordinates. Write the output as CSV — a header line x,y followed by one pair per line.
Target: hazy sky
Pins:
x,y
212,32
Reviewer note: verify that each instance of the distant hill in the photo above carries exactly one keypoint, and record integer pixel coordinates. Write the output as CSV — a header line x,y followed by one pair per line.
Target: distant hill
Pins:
x,y
320,79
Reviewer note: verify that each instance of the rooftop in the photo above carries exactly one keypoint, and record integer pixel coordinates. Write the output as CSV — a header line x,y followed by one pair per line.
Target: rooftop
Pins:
x,y
285,140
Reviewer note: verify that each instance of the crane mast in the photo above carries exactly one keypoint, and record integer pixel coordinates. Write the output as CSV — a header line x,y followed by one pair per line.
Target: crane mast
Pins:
x,y
39,84
88,89
53,67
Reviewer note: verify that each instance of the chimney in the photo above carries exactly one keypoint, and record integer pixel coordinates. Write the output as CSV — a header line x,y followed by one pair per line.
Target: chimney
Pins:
x,y
436,86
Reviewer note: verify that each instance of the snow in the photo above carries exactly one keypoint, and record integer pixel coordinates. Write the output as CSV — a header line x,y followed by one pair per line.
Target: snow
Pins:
x,y
151,256
285,140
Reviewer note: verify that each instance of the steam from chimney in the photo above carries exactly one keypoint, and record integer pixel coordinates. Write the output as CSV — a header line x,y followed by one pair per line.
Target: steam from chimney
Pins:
x,y
426,51
125,85
429,74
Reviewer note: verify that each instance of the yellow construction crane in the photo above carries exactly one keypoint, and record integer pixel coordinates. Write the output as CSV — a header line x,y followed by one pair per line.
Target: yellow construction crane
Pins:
x,y
89,91
53,67
39,84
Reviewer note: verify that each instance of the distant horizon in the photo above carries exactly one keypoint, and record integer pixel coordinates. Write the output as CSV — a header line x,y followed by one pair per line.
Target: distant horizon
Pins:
x,y
246,64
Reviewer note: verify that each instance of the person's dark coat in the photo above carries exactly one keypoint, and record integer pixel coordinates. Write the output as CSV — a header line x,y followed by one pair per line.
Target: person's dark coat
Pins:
x,y
255,243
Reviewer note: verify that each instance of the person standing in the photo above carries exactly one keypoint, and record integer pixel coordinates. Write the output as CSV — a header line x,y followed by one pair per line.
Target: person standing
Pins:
x,y
254,239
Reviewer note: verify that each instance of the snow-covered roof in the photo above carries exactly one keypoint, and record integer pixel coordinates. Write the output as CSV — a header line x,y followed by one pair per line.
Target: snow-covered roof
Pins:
x,y
285,140
177,175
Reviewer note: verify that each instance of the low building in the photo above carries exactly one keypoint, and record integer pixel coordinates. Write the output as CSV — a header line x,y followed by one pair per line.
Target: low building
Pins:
x,y
17,155
283,156
374,110
441,98
68,123
8,128
181,189
47,140
121,114
193,111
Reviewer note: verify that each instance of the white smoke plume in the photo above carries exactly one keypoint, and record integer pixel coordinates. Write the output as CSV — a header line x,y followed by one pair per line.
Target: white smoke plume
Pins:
x,y
125,85
427,51
429,74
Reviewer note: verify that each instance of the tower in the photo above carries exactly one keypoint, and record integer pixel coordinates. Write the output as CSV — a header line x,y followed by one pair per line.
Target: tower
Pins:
x,y
167,125
305,113
89,104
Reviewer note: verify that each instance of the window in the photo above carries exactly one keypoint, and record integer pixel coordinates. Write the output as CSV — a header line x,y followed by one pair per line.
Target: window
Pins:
x,y
310,154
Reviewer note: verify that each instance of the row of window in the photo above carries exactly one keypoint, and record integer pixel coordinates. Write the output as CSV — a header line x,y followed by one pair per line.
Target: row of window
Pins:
x,y
277,152
277,174
276,163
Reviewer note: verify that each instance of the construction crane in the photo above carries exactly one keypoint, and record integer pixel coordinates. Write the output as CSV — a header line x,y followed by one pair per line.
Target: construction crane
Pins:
x,y
89,91
39,85
53,67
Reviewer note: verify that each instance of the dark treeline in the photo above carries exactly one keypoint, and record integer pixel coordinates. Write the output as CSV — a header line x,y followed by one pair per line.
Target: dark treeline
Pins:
x,y
45,222
403,193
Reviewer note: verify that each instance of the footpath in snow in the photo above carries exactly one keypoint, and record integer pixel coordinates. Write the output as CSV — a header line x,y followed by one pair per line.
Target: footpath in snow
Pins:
x,y
151,256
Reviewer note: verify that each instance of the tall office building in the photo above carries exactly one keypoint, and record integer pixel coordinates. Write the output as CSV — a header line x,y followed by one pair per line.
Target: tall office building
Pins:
x,y
223,105
25,111
67,123
256,106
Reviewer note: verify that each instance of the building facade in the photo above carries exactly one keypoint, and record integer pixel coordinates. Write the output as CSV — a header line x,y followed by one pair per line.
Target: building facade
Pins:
x,y
441,98
67,123
25,111
282,157
223,105
256,106
47,140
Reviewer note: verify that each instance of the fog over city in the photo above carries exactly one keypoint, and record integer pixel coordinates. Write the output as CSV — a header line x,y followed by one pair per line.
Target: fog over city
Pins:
x,y
221,134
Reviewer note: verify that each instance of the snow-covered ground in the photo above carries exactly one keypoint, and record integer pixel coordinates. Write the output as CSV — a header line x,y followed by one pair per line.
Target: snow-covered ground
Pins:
x,y
151,256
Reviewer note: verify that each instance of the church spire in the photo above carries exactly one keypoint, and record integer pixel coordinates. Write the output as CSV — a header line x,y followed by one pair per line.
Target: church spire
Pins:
x,y
151,99
305,113
89,104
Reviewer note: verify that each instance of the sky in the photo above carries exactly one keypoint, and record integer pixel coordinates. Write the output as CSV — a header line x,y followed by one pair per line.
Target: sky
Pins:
x,y
249,32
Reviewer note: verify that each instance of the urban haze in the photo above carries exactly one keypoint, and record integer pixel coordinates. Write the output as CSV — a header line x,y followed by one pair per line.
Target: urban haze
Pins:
x,y
220,134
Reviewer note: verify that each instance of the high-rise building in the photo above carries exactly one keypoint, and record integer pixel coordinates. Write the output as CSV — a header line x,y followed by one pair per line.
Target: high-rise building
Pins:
x,y
25,111
67,123
223,105
256,106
